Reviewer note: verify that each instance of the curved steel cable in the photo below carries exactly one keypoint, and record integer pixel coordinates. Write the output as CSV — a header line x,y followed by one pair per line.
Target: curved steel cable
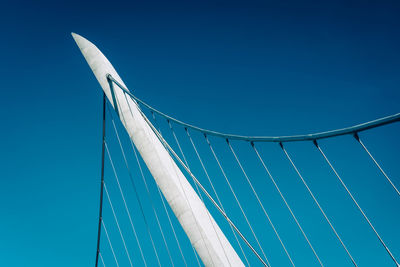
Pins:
x,y
376,163
109,242
355,202
315,136
284,200
213,188
293,138
259,202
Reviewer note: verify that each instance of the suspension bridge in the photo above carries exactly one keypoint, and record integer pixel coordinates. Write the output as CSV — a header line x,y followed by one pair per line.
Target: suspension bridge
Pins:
x,y
174,194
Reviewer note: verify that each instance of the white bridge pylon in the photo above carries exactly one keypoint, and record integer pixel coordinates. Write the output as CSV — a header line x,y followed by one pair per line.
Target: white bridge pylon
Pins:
x,y
205,235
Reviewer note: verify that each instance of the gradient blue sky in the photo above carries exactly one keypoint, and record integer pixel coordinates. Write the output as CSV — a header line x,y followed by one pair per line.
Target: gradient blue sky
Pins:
x,y
251,67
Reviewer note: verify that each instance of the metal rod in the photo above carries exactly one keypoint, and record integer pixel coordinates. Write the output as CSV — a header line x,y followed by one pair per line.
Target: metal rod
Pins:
x,y
102,180
356,203
293,138
376,163
284,200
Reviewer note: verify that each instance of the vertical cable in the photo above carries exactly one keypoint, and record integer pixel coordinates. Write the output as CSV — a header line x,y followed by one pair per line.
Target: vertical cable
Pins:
x,y
309,191
157,185
173,154
148,192
102,180
355,202
194,251
152,204
376,163
259,201
208,214
140,203
109,242
236,198
213,188
201,198
284,200
119,228
169,219
102,260
126,207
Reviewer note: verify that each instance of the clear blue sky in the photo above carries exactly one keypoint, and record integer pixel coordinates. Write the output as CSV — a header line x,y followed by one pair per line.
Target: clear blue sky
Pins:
x,y
251,67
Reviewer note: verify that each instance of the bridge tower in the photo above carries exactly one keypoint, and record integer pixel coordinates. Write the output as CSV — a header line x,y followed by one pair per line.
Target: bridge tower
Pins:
x,y
205,235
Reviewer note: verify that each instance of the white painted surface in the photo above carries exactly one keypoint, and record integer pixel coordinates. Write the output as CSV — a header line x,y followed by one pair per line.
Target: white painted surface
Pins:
x,y
204,234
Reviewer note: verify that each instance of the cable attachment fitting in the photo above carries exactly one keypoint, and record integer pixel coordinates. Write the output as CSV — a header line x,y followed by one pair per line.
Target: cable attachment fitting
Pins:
x,y
187,132
315,142
252,143
281,145
356,136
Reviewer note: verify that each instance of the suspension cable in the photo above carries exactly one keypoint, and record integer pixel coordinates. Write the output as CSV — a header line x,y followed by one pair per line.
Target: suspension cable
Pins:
x,y
309,191
355,202
172,153
259,201
102,260
236,198
140,205
284,200
209,216
198,193
376,163
109,242
349,130
320,208
213,188
130,109
116,221
177,142
172,227
142,175
169,219
152,204
102,180
126,207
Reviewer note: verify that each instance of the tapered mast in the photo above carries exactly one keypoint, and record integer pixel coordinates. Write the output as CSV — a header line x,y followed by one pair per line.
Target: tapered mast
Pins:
x,y
205,235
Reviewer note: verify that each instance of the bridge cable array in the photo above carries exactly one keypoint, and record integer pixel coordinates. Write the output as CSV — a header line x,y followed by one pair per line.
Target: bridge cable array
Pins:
x,y
155,122
183,162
